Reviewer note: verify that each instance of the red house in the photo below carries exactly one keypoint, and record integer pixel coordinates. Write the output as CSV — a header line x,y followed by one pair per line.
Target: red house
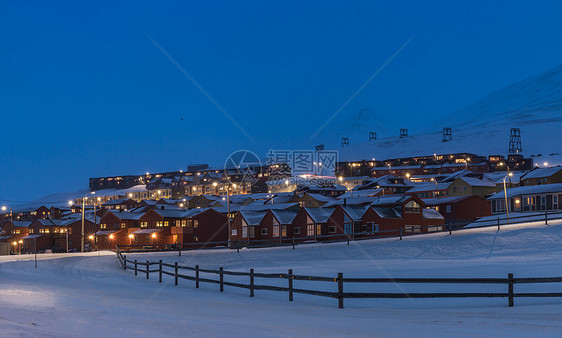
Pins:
x,y
52,233
460,210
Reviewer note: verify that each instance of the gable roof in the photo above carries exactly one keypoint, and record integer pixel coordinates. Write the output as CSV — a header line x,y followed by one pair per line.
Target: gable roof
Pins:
x,y
284,216
253,217
319,215
528,190
355,212
476,182
387,212
541,172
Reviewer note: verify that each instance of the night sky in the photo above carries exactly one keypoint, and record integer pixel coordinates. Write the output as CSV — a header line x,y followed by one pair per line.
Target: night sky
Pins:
x,y
85,91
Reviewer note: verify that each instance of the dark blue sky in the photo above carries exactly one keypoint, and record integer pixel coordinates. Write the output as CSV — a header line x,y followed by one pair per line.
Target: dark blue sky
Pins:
x,y
85,93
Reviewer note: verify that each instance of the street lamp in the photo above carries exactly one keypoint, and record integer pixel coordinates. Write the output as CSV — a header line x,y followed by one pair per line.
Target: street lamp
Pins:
x,y
215,185
4,208
505,194
83,221
228,211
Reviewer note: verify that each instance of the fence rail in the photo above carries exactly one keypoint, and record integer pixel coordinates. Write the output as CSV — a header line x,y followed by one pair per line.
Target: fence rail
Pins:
x,y
338,280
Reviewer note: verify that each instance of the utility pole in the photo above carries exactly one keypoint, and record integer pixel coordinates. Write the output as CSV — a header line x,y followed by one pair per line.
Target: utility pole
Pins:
x,y
82,236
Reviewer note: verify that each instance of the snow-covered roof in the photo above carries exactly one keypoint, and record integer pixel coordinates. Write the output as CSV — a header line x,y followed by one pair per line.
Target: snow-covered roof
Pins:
x,y
319,197
390,199
168,213
476,182
124,215
387,212
404,167
432,214
319,215
284,216
444,200
21,224
105,232
253,217
355,212
31,236
541,172
529,190
429,186
145,231
360,193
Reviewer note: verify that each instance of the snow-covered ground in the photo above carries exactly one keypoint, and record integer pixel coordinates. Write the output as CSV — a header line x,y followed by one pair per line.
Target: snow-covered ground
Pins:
x,y
90,295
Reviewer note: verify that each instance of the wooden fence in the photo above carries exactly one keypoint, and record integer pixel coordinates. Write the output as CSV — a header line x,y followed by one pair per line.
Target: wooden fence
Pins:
x,y
339,294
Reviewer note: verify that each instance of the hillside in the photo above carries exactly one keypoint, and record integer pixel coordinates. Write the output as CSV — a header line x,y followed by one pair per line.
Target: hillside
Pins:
x,y
534,105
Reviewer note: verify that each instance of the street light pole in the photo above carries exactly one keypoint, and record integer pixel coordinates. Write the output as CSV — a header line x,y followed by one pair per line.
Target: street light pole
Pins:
x,y
505,194
82,235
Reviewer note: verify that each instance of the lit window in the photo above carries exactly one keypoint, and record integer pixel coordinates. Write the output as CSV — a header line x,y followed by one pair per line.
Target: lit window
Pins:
x,y
144,224
310,230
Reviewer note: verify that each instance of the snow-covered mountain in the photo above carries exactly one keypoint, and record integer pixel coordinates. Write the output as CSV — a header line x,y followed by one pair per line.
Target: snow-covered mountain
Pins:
x,y
534,105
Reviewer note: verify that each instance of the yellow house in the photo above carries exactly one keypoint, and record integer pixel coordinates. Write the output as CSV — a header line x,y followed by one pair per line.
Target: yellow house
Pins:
x,y
466,186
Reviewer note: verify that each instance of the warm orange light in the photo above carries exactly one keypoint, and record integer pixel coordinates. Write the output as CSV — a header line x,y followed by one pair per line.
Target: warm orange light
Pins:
x,y
131,236
111,236
20,241
517,201
153,235
15,243
91,237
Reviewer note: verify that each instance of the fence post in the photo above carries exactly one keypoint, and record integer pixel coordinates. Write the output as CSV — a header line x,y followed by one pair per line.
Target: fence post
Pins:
x,y
450,229
251,282
293,240
124,262
160,271
176,273
510,289
197,276
221,279
340,290
135,267
546,217
237,246
179,251
400,232
147,269
498,224
290,285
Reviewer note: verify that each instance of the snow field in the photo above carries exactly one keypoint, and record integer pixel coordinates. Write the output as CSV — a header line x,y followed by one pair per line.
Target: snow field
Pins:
x,y
93,296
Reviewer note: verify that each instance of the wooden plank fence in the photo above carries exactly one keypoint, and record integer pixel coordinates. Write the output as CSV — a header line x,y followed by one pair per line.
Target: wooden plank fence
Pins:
x,y
339,280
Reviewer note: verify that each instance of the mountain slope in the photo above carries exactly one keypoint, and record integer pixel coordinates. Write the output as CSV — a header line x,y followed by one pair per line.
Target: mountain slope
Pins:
x,y
534,105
